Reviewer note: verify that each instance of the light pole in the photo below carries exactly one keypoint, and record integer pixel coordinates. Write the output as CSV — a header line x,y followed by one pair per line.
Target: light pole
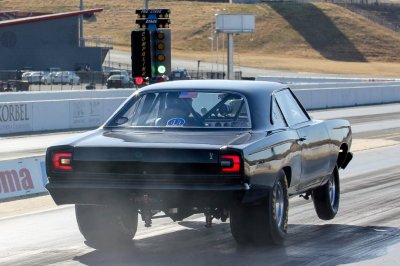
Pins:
x,y
217,44
211,53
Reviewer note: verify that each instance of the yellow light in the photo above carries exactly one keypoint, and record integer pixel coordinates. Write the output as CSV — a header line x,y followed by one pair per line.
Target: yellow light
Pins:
x,y
160,35
161,58
160,46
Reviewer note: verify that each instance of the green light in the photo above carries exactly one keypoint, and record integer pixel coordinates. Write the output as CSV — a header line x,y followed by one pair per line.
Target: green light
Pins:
x,y
161,69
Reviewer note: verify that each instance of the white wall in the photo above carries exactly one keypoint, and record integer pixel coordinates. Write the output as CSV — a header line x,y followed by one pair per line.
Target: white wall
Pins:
x,y
62,95
344,97
16,117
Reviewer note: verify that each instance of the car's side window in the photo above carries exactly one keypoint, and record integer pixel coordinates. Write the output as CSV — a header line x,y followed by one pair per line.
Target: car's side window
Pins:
x,y
276,115
291,110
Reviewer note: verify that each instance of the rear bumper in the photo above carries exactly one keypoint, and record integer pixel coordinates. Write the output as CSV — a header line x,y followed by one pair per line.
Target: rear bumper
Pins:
x,y
347,160
163,196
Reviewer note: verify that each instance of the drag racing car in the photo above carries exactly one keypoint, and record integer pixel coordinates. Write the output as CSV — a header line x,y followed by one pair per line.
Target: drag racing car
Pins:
x,y
232,150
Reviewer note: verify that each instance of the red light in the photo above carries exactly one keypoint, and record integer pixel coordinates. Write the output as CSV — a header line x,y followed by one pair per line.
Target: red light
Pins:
x,y
139,80
62,161
230,163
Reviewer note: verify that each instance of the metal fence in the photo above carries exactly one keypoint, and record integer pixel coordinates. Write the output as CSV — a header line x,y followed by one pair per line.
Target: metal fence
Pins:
x,y
14,81
88,80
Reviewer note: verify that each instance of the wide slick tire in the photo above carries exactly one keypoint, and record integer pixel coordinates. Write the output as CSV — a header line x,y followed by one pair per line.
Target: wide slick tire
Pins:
x,y
104,226
265,223
327,197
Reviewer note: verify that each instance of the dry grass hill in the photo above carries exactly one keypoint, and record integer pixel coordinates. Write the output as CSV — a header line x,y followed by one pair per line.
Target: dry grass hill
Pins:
x,y
319,37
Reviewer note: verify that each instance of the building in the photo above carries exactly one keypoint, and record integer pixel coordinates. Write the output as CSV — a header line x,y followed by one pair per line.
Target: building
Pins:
x,y
43,41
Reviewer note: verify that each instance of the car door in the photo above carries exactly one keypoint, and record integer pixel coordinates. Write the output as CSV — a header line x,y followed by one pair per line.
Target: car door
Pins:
x,y
313,138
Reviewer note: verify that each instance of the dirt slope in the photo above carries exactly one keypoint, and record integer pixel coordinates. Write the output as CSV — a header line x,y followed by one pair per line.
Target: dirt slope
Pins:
x,y
320,31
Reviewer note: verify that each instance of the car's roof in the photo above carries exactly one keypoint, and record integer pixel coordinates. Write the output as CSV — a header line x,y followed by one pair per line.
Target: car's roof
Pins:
x,y
242,86
116,76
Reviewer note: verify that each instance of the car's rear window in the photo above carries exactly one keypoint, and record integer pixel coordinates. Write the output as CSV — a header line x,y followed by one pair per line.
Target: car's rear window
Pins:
x,y
185,109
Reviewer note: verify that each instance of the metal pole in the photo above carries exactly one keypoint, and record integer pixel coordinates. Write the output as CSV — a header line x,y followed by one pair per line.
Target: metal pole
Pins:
x,y
212,47
230,55
212,56
198,69
81,41
217,51
223,55
146,4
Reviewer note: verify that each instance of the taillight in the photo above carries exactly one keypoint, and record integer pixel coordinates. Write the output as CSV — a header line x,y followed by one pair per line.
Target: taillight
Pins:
x,y
62,161
230,163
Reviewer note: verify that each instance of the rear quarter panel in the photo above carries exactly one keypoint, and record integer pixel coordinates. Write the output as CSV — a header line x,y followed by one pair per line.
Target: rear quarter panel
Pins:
x,y
340,135
265,158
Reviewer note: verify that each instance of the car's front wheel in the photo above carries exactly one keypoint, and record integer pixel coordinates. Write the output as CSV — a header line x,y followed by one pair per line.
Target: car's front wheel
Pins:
x,y
326,198
106,225
265,223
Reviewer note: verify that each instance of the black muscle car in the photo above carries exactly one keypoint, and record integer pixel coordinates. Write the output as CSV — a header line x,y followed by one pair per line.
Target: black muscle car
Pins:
x,y
228,149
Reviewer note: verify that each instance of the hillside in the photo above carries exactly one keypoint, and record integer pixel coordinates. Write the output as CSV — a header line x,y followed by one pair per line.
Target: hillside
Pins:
x,y
307,34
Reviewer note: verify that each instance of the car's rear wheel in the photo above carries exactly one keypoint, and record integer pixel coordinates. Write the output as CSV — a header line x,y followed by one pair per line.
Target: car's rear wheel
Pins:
x,y
326,198
106,225
265,223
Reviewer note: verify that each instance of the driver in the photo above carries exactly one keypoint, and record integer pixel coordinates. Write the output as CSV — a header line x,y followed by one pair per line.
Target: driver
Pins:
x,y
177,111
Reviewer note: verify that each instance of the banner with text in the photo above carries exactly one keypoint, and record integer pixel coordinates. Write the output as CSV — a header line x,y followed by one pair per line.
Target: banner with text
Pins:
x,y
22,177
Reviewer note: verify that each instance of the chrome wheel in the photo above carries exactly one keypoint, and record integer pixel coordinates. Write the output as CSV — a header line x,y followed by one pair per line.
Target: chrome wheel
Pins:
x,y
279,204
332,189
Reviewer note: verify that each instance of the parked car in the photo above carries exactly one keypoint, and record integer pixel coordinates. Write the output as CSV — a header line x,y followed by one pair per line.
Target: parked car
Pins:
x,y
118,72
179,74
119,81
48,77
63,77
236,149
34,77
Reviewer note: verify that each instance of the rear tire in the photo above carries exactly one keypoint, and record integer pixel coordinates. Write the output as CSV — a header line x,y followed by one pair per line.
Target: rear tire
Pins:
x,y
265,223
326,198
106,225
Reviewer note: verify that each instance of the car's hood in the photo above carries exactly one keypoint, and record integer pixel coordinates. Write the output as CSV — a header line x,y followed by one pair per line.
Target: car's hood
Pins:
x,y
162,139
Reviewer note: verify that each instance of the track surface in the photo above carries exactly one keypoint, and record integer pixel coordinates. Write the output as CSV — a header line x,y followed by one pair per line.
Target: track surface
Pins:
x,y
366,230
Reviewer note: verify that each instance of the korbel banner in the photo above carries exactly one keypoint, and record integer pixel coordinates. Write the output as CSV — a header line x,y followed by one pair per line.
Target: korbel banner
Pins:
x,y
15,117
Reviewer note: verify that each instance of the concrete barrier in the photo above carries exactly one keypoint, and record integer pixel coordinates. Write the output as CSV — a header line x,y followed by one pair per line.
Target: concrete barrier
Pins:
x,y
345,97
18,117
62,95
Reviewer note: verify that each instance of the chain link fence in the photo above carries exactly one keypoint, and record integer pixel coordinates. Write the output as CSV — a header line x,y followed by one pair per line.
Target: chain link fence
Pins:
x,y
12,81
